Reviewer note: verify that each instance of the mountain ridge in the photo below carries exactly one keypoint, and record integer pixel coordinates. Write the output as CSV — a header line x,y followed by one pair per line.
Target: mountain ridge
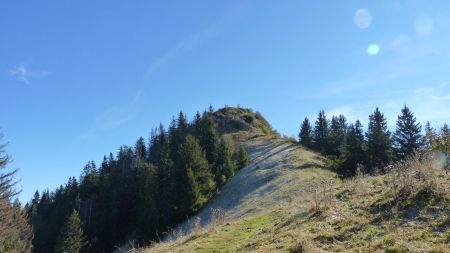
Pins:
x,y
289,200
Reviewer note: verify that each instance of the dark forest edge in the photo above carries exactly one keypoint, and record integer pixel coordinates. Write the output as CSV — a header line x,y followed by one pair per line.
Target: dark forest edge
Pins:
x,y
139,194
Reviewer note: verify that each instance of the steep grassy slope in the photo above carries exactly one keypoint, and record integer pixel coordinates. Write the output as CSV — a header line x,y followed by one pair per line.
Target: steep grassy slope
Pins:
x,y
286,201
280,172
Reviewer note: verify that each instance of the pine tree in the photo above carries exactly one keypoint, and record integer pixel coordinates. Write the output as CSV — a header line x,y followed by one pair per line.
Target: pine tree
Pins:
x,y
207,135
153,148
71,238
140,151
352,150
177,133
305,135
321,133
224,167
198,182
429,137
147,218
336,136
442,142
89,180
182,123
407,137
15,233
167,194
379,148
241,158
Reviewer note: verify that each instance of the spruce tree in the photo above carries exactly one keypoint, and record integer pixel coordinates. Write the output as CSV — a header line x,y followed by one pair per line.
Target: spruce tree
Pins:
x,y
198,184
140,150
305,135
177,133
147,218
242,159
182,123
15,233
352,150
71,238
379,148
407,137
88,180
153,148
429,137
207,135
224,167
321,133
167,193
336,136
442,142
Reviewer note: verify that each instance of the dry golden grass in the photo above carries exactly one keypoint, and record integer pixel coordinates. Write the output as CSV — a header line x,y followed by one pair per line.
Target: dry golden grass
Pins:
x,y
309,209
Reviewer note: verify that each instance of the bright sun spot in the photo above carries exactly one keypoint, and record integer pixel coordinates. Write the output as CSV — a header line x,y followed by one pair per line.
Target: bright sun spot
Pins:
x,y
373,49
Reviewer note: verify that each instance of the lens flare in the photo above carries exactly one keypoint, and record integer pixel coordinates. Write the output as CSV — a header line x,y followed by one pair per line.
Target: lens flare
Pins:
x,y
373,49
362,18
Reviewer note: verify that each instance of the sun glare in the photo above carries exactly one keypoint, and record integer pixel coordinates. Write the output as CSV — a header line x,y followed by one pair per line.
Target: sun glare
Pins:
x,y
373,49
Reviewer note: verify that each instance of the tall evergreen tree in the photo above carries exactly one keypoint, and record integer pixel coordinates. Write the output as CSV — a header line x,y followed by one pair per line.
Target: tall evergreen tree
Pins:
x,y
321,132
305,135
224,167
147,218
379,148
167,193
407,137
177,133
207,135
15,232
182,123
71,238
153,148
429,137
352,150
89,180
140,151
198,183
442,142
241,158
336,136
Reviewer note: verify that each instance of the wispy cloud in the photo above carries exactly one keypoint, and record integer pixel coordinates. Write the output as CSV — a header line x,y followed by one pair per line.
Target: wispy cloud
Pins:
x,y
195,40
428,104
186,44
432,104
24,74
114,117
345,110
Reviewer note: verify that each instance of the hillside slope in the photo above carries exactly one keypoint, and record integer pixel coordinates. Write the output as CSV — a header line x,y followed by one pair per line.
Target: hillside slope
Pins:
x,y
273,177
286,201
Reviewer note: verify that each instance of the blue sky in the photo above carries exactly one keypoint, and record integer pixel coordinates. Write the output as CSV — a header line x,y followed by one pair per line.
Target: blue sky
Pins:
x,y
81,78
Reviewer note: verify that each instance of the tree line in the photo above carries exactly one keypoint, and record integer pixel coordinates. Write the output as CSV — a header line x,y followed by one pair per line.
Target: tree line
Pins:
x,y
348,147
138,194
